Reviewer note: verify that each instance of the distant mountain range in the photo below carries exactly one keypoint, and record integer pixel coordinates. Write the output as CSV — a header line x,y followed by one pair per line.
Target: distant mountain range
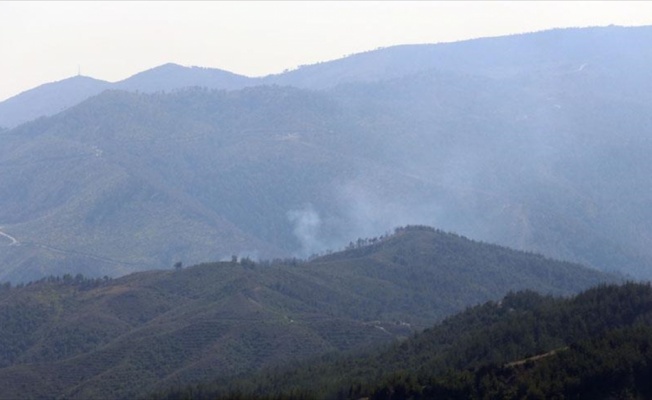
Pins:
x,y
500,57
52,98
74,337
538,142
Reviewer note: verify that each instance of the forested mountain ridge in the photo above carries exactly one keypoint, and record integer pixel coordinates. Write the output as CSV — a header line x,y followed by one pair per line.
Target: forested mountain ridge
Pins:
x,y
171,76
48,99
52,98
496,57
142,181
592,345
549,155
75,337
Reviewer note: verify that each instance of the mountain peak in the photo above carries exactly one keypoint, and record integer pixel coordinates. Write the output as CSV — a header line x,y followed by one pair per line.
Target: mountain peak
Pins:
x,y
173,76
48,99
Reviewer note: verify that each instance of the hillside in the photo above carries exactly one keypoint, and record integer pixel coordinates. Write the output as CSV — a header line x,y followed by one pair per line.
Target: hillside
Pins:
x,y
78,338
496,57
143,181
592,345
48,99
501,57
169,77
538,144
55,97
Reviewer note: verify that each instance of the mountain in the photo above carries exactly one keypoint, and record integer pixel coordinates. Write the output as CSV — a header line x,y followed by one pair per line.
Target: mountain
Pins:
x,y
52,98
117,177
170,76
552,162
48,99
549,156
76,337
592,345
496,57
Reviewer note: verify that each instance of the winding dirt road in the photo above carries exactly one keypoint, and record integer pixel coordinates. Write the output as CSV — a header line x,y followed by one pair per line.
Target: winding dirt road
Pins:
x,y
8,236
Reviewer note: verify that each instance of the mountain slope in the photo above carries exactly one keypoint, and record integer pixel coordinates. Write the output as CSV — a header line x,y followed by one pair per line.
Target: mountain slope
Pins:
x,y
48,99
602,350
81,338
169,77
551,157
549,162
51,98
498,57
200,175
102,192
524,345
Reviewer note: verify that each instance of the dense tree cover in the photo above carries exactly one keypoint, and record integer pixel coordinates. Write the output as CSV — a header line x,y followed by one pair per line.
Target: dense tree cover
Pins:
x,y
510,151
78,338
28,311
613,365
593,345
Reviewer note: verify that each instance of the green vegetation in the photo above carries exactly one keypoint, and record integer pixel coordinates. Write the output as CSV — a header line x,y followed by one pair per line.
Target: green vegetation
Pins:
x,y
75,337
518,141
538,142
595,345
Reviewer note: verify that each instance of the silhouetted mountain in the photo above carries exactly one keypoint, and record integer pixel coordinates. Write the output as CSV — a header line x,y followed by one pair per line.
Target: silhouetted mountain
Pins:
x,y
610,47
48,99
172,76
98,338
52,98
497,57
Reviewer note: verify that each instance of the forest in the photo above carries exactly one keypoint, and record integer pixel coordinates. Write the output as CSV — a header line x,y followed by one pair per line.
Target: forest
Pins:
x,y
595,345
462,220
78,337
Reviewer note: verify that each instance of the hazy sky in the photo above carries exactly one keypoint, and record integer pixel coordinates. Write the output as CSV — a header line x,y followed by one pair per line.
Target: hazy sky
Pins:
x,y
43,42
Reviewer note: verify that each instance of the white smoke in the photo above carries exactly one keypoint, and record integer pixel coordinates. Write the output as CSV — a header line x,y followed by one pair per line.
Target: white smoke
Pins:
x,y
369,212
307,228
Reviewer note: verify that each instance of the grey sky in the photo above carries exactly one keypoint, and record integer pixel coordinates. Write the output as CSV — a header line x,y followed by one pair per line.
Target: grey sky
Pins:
x,y
43,42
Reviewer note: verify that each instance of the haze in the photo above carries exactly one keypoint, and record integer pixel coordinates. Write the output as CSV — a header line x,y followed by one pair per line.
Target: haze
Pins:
x,y
42,42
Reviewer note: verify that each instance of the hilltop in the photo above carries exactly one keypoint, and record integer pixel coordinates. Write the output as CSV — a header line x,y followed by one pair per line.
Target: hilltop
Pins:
x,y
76,337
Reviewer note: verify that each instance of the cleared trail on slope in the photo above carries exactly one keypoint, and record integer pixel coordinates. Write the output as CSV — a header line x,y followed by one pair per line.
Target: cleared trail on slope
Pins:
x,y
13,240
